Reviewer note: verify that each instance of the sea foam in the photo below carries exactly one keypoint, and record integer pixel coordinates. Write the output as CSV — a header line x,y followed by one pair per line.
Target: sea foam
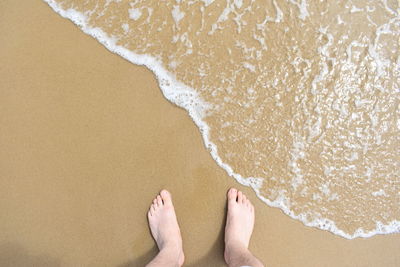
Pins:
x,y
199,108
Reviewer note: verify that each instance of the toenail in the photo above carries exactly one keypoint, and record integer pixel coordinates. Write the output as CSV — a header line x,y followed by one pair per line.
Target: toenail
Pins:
x,y
164,192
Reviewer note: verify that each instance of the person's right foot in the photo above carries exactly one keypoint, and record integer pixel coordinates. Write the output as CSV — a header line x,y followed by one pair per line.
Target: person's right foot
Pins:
x,y
239,222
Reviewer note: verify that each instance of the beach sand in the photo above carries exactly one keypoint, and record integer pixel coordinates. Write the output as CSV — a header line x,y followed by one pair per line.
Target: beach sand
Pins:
x,y
87,140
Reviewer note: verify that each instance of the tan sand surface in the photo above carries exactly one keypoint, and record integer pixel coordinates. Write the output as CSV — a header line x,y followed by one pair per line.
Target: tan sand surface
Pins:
x,y
87,140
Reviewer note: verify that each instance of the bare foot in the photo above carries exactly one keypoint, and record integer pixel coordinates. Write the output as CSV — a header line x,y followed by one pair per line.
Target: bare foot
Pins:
x,y
165,229
239,224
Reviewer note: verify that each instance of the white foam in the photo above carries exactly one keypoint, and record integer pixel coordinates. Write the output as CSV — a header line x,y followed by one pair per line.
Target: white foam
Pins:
x,y
380,62
222,17
249,66
355,9
278,18
189,99
339,20
135,13
177,14
207,2
380,192
238,3
303,12
125,27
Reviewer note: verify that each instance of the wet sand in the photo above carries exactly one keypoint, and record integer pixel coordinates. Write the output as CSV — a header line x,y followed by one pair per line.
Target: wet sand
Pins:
x,y
87,140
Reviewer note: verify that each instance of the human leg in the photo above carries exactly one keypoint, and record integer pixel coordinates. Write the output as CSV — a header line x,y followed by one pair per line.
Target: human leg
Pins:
x,y
165,231
238,230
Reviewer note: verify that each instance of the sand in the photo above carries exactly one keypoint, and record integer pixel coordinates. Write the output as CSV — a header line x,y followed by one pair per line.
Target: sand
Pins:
x,y
87,140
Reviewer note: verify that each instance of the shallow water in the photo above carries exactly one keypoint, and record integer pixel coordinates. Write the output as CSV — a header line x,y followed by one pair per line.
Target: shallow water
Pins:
x,y
297,99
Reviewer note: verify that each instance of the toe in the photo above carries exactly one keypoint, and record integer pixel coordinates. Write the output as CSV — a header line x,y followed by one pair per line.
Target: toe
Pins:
x,y
232,194
159,200
155,202
248,203
166,197
240,197
244,199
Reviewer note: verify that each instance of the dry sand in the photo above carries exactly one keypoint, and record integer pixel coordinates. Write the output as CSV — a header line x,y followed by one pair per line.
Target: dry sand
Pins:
x,y
87,140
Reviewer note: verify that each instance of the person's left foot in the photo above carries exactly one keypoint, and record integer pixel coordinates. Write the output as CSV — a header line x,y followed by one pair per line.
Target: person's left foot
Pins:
x,y
164,226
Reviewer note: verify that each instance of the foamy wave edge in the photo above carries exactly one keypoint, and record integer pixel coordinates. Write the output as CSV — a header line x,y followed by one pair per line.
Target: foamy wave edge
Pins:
x,y
187,98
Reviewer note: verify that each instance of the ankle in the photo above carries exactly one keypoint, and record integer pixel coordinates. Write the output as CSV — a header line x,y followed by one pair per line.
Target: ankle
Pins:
x,y
233,249
171,246
235,244
174,253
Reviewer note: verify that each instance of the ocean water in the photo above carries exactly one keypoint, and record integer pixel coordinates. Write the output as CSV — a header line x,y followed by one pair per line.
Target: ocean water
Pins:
x,y
297,99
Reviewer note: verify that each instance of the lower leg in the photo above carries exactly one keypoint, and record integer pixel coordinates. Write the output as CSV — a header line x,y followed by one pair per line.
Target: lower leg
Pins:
x,y
236,256
166,257
238,230
165,231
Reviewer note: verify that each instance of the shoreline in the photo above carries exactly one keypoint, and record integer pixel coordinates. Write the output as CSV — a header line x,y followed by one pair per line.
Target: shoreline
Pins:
x,y
89,140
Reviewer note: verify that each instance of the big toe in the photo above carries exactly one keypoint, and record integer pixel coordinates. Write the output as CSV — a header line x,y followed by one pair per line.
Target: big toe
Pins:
x,y
166,197
232,194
